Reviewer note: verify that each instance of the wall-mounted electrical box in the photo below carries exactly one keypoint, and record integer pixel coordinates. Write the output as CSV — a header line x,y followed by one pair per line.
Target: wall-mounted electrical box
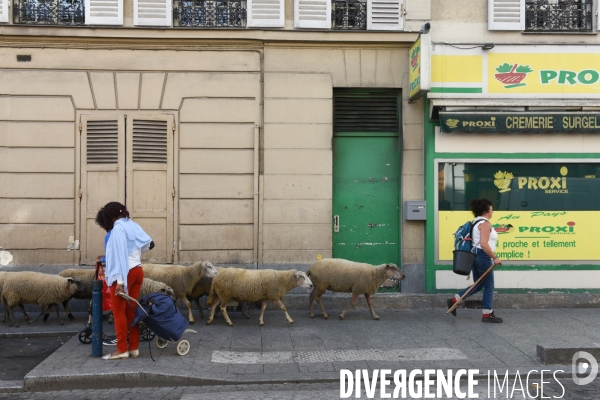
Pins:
x,y
415,210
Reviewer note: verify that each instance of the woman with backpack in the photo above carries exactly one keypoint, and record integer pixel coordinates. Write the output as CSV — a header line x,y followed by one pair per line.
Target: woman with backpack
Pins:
x,y
484,242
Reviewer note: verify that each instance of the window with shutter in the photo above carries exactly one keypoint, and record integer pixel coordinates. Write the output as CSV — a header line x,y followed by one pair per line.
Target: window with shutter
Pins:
x,y
384,15
102,142
312,14
506,15
4,10
150,141
104,12
268,13
152,12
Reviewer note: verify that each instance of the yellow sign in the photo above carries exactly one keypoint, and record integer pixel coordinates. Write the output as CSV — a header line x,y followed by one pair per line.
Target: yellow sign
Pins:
x,y
543,73
552,71
531,235
419,72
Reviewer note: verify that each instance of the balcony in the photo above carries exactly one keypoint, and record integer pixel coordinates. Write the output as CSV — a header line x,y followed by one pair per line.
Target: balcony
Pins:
x,y
349,14
209,14
559,15
49,12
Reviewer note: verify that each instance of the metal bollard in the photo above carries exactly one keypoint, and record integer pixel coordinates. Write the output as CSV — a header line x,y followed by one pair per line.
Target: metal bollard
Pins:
x,y
97,318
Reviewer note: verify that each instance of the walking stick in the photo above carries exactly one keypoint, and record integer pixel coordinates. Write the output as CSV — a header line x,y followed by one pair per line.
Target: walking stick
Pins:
x,y
469,290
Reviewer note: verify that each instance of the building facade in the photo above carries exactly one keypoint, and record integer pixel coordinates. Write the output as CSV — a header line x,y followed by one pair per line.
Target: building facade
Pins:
x,y
240,132
513,115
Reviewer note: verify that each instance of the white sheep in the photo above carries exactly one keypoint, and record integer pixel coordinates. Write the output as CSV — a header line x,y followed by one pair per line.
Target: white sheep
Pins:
x,y
346,276
150,286
3,275
253,285
202,288
30,287
181,278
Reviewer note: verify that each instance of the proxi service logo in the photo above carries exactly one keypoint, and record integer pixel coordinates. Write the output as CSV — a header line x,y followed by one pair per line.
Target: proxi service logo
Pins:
x,y
502,180
512,75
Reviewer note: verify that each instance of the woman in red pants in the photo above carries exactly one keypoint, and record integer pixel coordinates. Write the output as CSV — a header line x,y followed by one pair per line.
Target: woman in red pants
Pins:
x,y
123,274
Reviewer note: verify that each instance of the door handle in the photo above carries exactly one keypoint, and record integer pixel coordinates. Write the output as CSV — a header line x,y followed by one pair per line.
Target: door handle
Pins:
x,y
336,223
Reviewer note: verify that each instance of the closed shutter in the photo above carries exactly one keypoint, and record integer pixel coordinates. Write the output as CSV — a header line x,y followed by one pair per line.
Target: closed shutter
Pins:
x,y
152,12
103,12
506,15
4,10
384,15
312,14
365,111
150,141
102,142
266,13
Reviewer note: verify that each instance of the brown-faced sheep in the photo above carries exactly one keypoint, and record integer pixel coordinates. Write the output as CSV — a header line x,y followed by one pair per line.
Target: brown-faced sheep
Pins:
x,y
36,288
87,277
345,276
181,278
253,285
202,288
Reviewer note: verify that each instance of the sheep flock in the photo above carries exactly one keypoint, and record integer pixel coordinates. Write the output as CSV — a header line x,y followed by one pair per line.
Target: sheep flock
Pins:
x,y
189,283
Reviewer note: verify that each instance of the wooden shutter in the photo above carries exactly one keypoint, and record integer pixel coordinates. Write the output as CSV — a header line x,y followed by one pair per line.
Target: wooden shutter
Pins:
x,y
267,13
506,15
385,15
103,12
152,12
4,10
102,176
312,14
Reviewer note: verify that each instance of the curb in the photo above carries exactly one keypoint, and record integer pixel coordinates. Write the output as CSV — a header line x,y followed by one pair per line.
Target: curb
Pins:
x,y
144,379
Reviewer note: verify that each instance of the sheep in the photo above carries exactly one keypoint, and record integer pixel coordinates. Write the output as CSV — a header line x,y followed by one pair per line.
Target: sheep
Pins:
x,y
182,279
37,288
150,286
253,285
346,276
87,277
202,288
3,275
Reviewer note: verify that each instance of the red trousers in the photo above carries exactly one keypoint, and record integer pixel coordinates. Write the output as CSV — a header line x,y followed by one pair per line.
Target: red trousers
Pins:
x,y
124,314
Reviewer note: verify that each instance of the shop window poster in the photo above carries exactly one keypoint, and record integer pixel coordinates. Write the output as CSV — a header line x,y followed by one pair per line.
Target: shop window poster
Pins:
x,y
542,211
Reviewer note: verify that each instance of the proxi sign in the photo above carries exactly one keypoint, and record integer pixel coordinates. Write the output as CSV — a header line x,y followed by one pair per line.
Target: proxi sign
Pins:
x,y
565,77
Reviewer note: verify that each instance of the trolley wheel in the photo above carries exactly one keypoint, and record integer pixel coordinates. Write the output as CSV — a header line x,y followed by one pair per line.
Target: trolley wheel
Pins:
x,y
183,347
146,333
85,336
161,343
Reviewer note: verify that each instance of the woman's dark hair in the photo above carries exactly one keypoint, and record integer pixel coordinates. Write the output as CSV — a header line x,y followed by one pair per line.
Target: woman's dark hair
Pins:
x,y
480,206
108,214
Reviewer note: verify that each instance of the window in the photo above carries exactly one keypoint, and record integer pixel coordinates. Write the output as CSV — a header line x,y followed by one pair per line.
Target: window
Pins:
x,y
520,186
541,15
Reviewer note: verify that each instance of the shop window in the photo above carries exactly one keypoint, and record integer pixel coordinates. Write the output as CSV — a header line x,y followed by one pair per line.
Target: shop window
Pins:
x,y
520,186
543,211
541,15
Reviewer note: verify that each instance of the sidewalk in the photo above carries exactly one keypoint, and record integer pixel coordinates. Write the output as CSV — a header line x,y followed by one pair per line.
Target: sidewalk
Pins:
x,y
314,350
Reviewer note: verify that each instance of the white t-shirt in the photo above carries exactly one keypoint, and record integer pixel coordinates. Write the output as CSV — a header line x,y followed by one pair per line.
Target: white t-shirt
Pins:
x,y
477,235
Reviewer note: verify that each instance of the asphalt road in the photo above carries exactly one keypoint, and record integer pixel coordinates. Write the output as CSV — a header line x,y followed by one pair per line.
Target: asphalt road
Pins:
x,y
19,355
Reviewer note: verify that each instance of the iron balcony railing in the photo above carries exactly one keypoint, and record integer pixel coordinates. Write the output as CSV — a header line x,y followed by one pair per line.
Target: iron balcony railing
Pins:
x,y
49,12
559,15
209,13
349,14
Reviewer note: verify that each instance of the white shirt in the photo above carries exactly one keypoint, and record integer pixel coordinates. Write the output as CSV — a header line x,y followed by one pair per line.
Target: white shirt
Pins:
x,y
477,235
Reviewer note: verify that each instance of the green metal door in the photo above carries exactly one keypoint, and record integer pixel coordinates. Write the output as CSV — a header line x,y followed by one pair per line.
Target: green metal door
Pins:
x,y
366,199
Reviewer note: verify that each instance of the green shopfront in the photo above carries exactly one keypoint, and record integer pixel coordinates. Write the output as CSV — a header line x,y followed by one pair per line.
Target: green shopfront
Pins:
x,y
509,124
